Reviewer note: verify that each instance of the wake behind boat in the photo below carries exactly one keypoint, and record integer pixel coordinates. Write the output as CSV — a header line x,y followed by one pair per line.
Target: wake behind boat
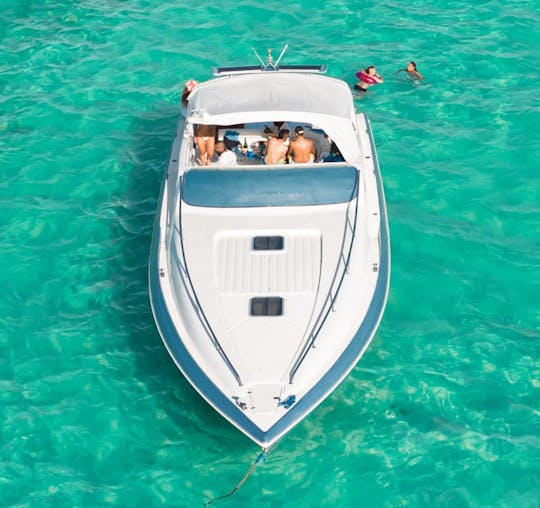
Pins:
x,y
268,282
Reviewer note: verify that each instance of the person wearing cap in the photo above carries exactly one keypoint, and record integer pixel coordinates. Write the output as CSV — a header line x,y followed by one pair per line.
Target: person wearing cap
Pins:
x,y
301,149
276,148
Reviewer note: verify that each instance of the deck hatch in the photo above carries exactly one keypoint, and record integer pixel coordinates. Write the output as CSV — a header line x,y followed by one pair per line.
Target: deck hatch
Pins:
x,y
267,243
272,306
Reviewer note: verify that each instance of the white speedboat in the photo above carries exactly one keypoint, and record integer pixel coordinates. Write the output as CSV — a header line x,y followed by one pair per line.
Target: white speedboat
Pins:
x,y
267,283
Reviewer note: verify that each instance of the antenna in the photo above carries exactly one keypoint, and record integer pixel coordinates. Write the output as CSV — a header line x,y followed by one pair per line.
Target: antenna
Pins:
x,y
270,65
281,56
258,56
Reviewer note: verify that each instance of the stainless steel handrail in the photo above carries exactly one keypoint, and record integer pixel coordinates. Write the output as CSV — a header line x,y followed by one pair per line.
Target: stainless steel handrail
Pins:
x,y
195,300
330,298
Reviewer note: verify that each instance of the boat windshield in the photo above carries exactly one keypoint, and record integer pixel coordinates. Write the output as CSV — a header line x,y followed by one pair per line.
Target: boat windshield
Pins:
x,y
269,187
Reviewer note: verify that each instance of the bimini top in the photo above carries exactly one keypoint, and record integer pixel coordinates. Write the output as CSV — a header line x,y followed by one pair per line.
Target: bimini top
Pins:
x,y
278,96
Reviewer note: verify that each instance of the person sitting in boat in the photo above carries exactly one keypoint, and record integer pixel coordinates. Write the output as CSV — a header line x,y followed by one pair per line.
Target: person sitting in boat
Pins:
x,y
334,155
322,143
366,78
301,149
205,138
276,148
189,85
233,145
274,131
411,71
226,157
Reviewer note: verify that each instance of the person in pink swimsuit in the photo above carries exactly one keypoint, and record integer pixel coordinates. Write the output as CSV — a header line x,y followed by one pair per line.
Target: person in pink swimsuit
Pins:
x,y
366,78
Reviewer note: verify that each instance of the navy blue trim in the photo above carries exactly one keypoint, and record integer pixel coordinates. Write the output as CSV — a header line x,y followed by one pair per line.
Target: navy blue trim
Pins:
x,y
195,302
296,186
172,339
179,352
351,355
329,301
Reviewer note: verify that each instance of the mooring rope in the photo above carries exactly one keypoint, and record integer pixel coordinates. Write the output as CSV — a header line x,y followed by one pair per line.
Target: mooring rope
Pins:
x,y
259,458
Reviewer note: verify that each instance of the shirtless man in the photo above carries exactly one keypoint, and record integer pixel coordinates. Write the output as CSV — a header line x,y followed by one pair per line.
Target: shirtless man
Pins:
x,y
301,149
276,148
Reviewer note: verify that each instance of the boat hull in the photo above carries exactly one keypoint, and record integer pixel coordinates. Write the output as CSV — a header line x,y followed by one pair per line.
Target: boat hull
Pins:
x,y
165,258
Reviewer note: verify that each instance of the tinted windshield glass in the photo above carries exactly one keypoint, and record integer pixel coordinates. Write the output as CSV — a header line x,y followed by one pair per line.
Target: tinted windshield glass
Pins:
x,y
269,187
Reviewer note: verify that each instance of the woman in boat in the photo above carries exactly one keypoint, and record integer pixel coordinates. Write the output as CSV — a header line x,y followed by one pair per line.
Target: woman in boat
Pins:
x,y
205,138
411,71
334,155
366,78
189,85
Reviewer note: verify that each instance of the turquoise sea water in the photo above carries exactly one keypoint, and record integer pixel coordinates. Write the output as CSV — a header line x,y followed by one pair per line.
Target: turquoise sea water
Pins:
x,y
444,408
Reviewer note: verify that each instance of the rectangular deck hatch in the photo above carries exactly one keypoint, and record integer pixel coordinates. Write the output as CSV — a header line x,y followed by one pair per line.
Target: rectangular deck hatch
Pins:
x,y
272,306
268,243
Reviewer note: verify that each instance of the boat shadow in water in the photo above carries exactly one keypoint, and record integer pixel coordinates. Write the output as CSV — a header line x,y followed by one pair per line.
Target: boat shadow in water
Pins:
x,y
145,160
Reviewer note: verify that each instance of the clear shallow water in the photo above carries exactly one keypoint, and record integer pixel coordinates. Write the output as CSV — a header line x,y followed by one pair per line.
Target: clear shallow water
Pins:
x,y
443,409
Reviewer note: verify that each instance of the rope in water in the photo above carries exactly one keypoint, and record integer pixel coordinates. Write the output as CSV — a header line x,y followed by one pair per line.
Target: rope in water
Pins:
x,y
260,457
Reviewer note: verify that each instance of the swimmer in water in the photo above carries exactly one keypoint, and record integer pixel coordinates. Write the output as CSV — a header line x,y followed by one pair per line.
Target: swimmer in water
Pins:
x,y
367,77
411,71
